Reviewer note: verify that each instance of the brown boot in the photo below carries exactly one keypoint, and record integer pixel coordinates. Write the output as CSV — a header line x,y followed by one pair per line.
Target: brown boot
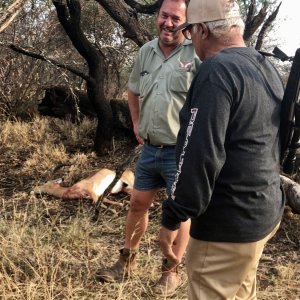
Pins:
x,y
123,267
169,281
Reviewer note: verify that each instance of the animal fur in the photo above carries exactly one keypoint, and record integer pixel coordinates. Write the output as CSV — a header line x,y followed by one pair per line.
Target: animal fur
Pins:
x,y
90,187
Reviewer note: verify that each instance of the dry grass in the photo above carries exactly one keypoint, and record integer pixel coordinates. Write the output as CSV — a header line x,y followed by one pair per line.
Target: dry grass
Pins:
x,y
50,249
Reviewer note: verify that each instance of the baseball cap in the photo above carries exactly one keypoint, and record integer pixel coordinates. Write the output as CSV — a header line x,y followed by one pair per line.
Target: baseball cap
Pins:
x,y
200,11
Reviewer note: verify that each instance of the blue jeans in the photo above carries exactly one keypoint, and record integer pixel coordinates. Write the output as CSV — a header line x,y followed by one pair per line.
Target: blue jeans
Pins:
x,y
156,168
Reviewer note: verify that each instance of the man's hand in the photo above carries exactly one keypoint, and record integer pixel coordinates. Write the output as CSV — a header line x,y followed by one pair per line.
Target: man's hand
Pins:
x,y
135,130
166,241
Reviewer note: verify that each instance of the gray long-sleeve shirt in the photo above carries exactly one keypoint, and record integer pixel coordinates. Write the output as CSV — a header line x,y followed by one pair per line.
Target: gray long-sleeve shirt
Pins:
x,y
228,150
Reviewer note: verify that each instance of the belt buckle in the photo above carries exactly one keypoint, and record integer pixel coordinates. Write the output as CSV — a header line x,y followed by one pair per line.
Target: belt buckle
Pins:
x,y
147,141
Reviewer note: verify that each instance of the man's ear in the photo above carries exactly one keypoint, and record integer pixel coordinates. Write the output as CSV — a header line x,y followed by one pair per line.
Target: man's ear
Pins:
x,y
204,31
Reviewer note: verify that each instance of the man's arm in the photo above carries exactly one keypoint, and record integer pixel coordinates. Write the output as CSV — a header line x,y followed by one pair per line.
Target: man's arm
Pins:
x,y
199,163
133,103
200,153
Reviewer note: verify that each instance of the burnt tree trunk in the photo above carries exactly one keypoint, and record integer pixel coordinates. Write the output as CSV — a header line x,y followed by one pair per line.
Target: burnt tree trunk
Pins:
x,y
69,15
126,14
254,21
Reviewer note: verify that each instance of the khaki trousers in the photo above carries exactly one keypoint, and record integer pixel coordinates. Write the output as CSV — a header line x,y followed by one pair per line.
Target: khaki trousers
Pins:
x,y
223,271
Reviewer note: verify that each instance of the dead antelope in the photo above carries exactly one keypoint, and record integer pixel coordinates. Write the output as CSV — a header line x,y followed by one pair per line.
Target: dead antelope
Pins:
x,y
90,187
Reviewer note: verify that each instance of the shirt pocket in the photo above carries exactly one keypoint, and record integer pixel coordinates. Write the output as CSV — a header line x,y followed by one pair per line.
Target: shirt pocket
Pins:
x,y
181,80
145,85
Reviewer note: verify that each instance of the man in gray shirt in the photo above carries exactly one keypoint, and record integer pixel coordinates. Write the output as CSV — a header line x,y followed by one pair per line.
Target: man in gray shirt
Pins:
x,y
227,179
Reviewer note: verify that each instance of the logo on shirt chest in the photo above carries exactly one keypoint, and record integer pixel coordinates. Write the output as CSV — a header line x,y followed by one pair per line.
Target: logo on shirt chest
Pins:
x,y
185,65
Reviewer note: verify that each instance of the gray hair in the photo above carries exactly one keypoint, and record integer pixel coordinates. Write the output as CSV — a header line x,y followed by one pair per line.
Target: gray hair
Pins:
x,y
220,27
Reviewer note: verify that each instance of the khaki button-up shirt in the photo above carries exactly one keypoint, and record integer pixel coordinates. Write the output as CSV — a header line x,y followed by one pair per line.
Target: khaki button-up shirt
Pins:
x,y
162,85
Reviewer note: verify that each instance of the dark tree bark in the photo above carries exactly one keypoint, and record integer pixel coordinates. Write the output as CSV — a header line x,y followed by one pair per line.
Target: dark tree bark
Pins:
x,y
143,9
253,22
127,17
69,14
64,103
265,28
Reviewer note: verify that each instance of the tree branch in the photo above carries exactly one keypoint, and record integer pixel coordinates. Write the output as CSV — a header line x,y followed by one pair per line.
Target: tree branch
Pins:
x,y
253,22
127,17
49,60
69,17
266,26
143,9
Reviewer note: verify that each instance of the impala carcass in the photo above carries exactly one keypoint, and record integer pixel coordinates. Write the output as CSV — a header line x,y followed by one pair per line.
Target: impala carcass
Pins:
x,y
90,187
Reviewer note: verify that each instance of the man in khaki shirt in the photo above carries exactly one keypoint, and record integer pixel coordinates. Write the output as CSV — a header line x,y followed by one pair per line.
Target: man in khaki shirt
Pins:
x,y
157,90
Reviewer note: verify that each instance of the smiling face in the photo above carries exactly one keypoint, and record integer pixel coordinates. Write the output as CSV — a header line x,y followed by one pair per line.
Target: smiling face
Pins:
x,y
171,14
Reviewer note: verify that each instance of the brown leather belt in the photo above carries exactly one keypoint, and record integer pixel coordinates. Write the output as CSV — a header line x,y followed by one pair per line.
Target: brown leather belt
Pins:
x,y
158,146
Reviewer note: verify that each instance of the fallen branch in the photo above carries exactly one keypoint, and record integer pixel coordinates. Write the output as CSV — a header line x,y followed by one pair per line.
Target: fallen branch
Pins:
x,y
54,62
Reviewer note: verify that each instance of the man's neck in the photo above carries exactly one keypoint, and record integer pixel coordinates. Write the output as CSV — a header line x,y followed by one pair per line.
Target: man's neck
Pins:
x,y
229,41
167,49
